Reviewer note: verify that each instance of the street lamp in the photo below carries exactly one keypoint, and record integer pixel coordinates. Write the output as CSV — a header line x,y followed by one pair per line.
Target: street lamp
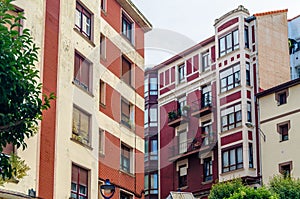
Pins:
x,y
250,125
107,190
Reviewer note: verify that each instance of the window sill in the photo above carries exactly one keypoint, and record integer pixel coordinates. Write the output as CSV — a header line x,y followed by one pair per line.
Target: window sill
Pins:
x,y
231,130
131,128
230,172
84,37
87,92
127,173
230,91
102,105
127,40
226,55
281,141
183,188
81,143
104,12
101,155
129,85
207,182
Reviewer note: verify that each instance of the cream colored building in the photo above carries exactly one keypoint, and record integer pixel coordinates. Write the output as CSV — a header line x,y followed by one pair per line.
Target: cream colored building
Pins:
x,y
279,115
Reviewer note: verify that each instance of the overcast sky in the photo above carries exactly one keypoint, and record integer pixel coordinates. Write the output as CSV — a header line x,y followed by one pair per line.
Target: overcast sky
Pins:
x,y
179,24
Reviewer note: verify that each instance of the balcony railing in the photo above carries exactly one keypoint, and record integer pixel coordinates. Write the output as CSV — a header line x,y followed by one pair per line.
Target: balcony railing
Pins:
x,y
200,143
176,117
201,107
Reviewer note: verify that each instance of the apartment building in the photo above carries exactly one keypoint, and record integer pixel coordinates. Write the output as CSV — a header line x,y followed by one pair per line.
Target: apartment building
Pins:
x,y
206,102
92,58
151,135
294,46
279,124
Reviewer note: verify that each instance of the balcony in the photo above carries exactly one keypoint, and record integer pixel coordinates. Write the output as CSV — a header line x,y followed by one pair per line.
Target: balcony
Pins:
x,y
201,108
199,144
176,117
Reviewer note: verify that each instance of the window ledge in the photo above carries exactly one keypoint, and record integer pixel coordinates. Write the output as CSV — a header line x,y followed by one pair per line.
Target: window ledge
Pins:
x,y
207,182
226,55
127,40
87,92
127,173
127,127
231,90
102,105
81,143
183,188
104,12
231,130
231,172
84,37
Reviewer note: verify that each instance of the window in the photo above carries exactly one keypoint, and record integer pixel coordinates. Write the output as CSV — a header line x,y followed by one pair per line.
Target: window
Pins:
x,y
283,130
152,180
126,71
126,158
102,95
248,78
102,46
146,87
230,78
206,96
127,113
228,43
79,184
182,103
153,86
101,141
207,133
249,115
232,159
83,20
286,168
127,28
246,37
181,73
182,141
207,169
250,155
146,150
231,117
205,61
182,177
82,72
281,97
124,195
154,150
81,126
153,116
103,5
146,117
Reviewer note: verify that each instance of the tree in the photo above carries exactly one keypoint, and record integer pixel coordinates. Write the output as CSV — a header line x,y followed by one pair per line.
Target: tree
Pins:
x,y
225,189
21,102
236,190
285,187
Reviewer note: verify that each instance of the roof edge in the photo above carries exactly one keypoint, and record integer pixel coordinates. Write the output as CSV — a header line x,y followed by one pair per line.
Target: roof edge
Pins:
x,y
137,15
270,12
278,88
185,52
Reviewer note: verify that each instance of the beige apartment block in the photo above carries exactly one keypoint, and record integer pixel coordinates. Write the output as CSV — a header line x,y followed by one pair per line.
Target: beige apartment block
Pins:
x,y
279,115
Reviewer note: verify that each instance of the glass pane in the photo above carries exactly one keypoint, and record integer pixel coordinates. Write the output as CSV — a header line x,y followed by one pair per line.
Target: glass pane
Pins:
x,y
222,44
235,39
228,43
82,189
240,155
73,186
225,159
232,157
78,18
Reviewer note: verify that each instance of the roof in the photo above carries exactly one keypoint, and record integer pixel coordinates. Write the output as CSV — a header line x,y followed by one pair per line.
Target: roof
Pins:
x,y
293,18
136,14
270,12
185,52
180,195
278,88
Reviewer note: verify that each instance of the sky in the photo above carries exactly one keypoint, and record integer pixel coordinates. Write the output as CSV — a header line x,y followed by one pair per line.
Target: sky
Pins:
x,y
179,24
